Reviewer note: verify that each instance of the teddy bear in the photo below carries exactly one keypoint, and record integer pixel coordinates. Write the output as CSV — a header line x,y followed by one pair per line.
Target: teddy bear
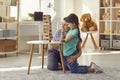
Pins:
x,y
87,23
106,3
117,3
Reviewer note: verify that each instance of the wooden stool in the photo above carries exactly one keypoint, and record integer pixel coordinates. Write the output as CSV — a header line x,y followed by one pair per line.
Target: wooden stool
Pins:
x,y
92,38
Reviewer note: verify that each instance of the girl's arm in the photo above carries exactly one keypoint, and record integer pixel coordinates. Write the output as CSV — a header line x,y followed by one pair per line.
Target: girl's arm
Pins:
x,y
67,39
74,57
71,36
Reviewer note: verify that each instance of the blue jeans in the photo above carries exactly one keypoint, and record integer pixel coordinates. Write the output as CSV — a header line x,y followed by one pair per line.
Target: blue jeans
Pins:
x,y
75,67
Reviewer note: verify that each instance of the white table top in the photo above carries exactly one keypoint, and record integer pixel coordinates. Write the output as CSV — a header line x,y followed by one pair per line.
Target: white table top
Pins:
x,y
43,42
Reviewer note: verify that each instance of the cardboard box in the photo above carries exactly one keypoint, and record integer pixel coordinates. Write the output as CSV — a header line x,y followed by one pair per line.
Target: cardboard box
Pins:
x,y
7,33
1,33
105,43
116,43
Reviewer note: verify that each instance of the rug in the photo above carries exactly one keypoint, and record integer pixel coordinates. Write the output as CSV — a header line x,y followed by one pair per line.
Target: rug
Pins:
x,y
44,74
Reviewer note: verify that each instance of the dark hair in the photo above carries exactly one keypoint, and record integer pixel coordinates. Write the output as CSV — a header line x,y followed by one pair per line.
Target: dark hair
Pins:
x,y
65,18
73,18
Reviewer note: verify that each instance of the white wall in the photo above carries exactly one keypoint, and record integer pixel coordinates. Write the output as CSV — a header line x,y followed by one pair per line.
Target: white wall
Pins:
x,y
70,6
83,6
78,7
57,18
63,8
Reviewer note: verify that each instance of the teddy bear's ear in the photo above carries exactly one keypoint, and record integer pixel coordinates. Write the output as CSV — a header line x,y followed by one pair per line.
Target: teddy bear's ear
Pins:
x,y
81,18
89,15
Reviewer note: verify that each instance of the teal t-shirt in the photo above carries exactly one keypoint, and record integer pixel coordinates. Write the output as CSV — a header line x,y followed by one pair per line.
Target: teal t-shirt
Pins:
x,y
70,46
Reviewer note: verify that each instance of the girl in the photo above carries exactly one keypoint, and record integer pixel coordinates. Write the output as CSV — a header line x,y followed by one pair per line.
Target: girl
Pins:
x,y
69,48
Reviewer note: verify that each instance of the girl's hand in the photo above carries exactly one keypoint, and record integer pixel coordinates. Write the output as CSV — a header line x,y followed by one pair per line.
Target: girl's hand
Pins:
x,y
53,46
71,59
62,40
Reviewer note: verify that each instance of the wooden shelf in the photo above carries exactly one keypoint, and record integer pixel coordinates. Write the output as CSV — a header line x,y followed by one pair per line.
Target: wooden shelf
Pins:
x,y
9,43
109,24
